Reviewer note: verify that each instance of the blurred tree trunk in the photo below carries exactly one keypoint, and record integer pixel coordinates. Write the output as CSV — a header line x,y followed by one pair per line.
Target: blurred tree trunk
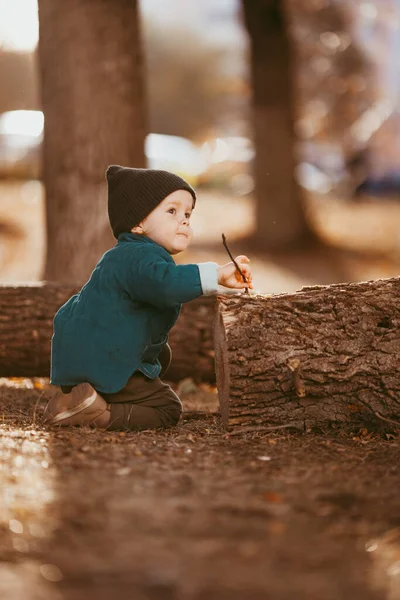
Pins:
x,y
280,213
93,101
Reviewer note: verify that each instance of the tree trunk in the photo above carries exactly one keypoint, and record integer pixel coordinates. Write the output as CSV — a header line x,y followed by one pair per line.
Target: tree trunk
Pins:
x,y
93,101
280,212
26,327
321,355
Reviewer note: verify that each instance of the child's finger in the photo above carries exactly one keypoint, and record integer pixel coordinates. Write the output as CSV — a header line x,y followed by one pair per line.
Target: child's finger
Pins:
x,y
238,276
243,284
242,258
247,273
243,272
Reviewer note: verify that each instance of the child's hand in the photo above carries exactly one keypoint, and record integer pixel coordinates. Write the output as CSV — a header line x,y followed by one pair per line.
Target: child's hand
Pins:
x,y
229,276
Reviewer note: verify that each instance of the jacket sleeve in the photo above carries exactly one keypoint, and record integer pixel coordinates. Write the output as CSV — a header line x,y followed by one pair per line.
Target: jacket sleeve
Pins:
x,y
156,280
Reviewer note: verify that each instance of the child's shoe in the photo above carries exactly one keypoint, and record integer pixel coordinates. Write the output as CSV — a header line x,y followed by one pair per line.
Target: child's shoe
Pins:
x,y
82,406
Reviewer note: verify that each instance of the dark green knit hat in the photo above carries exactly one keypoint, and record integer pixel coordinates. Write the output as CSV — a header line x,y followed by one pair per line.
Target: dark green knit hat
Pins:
x,y
134,193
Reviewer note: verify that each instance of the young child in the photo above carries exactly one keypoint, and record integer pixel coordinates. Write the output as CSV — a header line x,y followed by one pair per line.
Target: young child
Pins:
x,y
109,347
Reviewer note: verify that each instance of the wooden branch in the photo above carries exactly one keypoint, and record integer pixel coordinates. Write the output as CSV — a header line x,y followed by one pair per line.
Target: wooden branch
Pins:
x,y
324,354
26,327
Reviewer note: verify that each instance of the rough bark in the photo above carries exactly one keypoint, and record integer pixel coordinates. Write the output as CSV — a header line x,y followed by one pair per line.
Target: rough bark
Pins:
x,y
93,100
324,354
280,213
26,326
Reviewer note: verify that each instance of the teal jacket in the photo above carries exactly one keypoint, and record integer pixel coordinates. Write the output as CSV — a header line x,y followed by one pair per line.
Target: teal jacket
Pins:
x,y
119,321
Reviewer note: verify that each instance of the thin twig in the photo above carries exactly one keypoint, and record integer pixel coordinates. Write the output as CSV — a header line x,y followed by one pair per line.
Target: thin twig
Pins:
x,y
261,428
246,290
387,420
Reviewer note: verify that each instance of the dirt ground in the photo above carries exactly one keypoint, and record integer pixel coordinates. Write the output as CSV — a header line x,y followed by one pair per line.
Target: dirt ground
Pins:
x,y
193,513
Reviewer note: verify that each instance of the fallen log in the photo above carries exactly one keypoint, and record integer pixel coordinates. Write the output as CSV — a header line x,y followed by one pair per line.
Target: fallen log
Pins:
x,y
192,342
324,354
26,327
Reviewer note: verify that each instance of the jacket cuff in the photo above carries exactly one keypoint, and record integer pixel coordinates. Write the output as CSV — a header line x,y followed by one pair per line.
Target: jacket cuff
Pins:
x,y
208,277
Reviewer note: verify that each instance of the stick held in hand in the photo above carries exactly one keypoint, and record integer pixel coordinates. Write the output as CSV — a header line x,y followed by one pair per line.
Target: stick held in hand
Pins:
x,y
246,290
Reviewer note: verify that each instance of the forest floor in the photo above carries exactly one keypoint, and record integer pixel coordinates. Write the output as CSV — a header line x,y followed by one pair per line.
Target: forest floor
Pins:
x,y
194,513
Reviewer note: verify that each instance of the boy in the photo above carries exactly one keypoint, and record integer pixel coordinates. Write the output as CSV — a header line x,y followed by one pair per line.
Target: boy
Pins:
x,y
109,346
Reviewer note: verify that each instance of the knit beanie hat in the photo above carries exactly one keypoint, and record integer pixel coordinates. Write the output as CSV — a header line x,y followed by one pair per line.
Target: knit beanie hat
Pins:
x,y
134,193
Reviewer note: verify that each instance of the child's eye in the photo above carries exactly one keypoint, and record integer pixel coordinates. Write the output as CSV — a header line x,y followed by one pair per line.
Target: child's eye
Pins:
x,y
187,215
172,211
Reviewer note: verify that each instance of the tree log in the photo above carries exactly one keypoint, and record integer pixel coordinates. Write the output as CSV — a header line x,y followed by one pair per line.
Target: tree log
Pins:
x,y
324,354
192,342
26,327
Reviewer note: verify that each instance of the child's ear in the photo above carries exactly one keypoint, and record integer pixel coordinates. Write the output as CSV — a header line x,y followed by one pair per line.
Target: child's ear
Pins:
x,y
137,229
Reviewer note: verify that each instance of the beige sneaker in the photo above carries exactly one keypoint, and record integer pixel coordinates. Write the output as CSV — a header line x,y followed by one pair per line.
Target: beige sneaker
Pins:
x,y
82,406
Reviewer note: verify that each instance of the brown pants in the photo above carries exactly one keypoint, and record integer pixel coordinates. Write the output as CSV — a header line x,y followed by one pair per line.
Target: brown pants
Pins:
x,y
143,403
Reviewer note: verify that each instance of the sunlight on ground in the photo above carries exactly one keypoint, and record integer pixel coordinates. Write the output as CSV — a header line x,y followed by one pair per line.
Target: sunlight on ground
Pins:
x,y
26,484
365,227
385,554
26,491
24,581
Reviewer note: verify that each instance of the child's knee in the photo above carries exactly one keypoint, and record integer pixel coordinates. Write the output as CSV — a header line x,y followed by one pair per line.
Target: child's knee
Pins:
x,y
173,413
176,415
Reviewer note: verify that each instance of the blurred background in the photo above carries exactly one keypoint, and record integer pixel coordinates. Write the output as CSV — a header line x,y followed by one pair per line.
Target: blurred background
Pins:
x,y
284,115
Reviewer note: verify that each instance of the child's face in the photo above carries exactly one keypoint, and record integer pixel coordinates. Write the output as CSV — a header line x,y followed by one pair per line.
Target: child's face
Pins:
x,y
169,223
